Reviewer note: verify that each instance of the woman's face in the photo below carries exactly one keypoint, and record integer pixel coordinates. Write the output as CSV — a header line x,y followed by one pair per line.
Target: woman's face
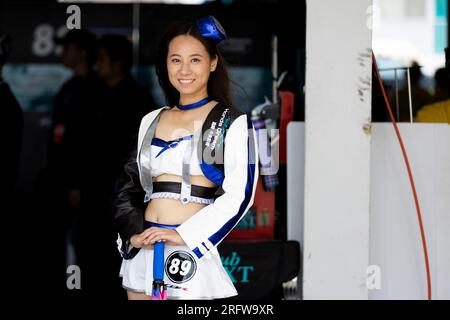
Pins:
x,y
189,66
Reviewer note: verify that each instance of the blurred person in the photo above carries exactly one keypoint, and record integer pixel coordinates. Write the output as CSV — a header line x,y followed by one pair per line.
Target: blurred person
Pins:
x,y
438,112
71,107
441,91
60,182
12,123
121,101
119,105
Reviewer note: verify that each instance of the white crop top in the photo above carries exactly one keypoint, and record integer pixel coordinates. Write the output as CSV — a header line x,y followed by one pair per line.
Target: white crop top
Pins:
x,y
167,156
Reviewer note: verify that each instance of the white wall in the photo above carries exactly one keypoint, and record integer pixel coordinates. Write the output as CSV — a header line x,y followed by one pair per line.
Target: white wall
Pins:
x,y
337,162
395,242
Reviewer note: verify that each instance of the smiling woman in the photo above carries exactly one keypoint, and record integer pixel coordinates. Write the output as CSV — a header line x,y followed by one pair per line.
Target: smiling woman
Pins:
x,y
168,215
189,66
185,49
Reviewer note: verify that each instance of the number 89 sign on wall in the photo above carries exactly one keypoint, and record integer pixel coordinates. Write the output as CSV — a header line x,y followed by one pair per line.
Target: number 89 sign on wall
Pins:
x,y
43,44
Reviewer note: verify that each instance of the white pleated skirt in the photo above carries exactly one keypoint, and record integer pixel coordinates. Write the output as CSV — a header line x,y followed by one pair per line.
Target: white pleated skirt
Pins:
x,y
188,277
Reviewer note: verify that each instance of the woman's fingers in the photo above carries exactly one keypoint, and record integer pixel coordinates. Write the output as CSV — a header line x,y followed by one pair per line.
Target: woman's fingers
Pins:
x,y
153,237
141,237
164,236
148,231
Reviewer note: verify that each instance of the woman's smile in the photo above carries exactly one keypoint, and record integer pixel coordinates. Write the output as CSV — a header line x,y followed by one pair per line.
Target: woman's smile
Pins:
x,y
186,81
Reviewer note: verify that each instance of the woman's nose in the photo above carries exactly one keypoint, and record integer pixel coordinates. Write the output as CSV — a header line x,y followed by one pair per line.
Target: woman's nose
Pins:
x,y
185,68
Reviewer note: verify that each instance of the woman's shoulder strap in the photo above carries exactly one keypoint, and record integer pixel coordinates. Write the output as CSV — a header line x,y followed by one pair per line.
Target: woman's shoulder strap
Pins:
x,y
212,141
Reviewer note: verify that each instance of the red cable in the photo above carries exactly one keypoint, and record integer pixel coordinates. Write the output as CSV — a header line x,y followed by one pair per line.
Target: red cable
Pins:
x,y
411,180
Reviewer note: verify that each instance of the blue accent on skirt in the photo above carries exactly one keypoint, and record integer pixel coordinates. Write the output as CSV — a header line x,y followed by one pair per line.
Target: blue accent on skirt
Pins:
x,y
149,224
158,250
158,261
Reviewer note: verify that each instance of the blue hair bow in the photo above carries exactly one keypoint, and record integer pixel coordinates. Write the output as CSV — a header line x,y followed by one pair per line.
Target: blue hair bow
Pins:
x,y
210,28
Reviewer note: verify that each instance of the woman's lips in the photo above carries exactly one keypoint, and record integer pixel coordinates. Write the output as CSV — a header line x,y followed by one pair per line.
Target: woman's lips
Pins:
x,y
186,81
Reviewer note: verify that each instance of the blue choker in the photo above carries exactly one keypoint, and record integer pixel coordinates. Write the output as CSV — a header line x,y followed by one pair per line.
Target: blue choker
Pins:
x,y
194,105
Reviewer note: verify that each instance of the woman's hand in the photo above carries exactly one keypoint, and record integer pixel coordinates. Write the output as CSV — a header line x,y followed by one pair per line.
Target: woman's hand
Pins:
x,y
151,235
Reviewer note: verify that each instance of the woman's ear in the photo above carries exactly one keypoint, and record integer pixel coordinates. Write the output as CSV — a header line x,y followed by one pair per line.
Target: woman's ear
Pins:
x,y
214,63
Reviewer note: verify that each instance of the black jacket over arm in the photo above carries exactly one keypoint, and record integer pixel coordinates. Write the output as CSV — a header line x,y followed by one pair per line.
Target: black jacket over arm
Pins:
x,y
128,206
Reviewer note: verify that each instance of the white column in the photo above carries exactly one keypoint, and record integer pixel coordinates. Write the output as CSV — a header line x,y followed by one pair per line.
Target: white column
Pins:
x,y
337,162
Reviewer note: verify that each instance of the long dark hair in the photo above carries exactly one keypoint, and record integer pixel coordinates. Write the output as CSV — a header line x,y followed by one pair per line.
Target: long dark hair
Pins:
x,y
218,82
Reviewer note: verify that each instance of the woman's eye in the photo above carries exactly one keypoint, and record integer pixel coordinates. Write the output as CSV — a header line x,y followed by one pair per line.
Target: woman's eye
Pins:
x,y
195,60
175,60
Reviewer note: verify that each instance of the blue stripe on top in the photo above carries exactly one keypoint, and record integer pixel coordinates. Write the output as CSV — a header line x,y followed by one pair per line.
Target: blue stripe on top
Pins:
x,y
168,144
214,174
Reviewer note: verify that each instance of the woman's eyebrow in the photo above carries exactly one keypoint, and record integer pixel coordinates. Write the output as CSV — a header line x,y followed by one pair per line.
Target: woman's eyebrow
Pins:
x,y
192,55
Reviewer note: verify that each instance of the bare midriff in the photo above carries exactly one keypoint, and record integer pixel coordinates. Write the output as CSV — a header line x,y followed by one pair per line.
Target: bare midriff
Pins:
x,y
172,211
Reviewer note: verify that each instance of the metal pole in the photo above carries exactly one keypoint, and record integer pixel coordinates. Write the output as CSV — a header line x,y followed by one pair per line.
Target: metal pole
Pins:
x,y
274,69
409,94
396,96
